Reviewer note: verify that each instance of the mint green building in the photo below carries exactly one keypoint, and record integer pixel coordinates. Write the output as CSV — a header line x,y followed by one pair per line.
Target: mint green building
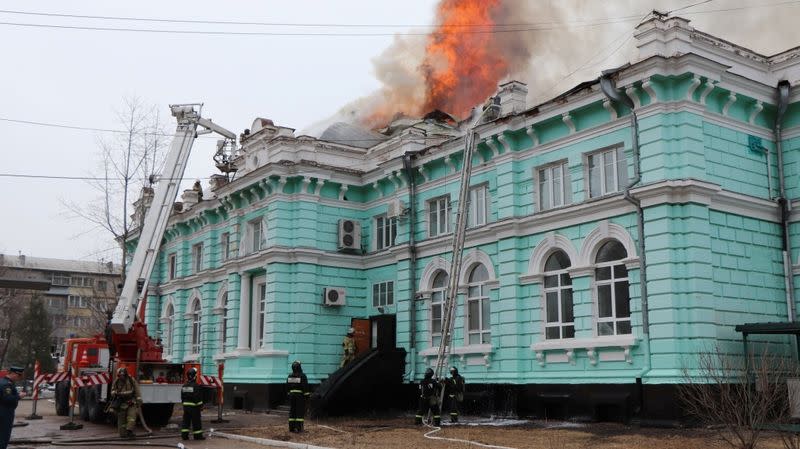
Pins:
x,y
569,215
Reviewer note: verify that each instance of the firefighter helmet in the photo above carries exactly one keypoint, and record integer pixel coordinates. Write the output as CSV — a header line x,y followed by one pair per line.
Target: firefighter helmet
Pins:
x,y
296,367
122,371
192,373
428,373
453,370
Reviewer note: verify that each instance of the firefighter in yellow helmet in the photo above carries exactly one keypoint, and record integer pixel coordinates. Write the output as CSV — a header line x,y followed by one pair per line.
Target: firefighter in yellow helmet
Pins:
x,y
348,348
125,399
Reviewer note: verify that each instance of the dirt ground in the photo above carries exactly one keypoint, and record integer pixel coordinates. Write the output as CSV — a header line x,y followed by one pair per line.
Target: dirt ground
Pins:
x,y
400,434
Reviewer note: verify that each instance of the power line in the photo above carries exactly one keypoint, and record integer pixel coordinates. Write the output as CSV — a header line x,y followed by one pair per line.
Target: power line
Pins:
x,y
303,25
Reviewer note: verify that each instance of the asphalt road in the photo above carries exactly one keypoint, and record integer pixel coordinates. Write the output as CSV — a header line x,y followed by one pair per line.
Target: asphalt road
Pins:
x,y
40,434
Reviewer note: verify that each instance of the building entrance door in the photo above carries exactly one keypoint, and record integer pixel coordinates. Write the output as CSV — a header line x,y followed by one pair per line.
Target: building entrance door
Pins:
x,y
384,331
361,335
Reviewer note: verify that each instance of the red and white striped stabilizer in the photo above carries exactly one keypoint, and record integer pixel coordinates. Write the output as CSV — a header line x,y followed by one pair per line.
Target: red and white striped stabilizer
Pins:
x,y
210,381
50,378
87,380
73,389
36,380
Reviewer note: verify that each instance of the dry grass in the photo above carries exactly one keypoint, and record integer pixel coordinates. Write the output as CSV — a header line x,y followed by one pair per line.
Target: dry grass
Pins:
x,y
401,434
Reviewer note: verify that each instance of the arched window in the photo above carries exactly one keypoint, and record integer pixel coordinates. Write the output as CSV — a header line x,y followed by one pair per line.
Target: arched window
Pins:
x,y
196,330
438,290
611,287
168,330
225,321
559,319
478,306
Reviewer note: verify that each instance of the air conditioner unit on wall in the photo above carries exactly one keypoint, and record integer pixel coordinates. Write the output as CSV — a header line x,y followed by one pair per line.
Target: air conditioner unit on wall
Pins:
x,y
334,296
349,235
395,208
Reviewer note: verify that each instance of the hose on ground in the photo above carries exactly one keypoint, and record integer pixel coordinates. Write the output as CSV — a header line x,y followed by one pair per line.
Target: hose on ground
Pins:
x,y
429,435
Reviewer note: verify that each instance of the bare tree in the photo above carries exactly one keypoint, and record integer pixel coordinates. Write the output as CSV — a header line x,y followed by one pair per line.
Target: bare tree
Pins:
x,y
125,163
722,393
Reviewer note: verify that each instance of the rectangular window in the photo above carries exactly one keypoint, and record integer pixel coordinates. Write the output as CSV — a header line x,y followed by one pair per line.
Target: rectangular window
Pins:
x,y
439,216
60,279
383,294
608,172
102,286
197,257
554,187
258,235
225,245
74,301
478,205
385,231
172,268
261,291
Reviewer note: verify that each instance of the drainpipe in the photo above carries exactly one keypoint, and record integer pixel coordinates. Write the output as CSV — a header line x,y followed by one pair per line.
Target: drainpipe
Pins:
x,y
783,202
412,261
618,96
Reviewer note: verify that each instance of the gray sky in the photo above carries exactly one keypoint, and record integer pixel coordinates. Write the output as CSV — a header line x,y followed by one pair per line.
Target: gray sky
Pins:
x,y
81,77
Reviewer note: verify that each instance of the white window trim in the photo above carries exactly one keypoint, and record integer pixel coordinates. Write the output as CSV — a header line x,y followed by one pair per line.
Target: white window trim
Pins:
x,y
258,341
221,309
485,287
544,290
587,171
197,258
168,323
387,226
472,215
448,213
596,298
566,185
250,235
429,295
225,246
485,350
590,345
189,315
172,266
384,283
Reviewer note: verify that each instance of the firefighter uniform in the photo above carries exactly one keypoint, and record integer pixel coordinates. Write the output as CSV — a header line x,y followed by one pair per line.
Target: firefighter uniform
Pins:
x,y
297,384
9,397
428,399
454,391
126,400
192,398
349,348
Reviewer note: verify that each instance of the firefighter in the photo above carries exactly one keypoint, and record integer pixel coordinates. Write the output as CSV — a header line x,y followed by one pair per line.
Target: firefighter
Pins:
x,y
192,398
454,390
297,383
9,397
349,348
428,399
125,399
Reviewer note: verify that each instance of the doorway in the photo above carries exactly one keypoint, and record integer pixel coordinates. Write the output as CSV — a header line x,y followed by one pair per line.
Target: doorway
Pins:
x,y
384,332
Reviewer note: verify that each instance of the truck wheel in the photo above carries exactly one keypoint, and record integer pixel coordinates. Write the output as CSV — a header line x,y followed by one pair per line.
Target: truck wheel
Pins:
x,y
83,410
62,398
94,410
157,415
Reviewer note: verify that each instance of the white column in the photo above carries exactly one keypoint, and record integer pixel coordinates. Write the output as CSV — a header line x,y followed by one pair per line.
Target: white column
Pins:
x,y
243,344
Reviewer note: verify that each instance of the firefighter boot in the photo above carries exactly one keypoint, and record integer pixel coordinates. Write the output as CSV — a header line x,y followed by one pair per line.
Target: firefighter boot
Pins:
x,y
418,420
437,420
129,435
199,436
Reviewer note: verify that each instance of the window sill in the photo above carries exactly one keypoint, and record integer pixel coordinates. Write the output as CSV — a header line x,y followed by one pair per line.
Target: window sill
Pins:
x,y
463,352
568,346
267,352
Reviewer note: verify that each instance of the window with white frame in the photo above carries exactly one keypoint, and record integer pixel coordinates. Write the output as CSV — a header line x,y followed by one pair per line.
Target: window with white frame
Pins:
x,y
554,186
102,286
439,216
225,245
172,266
196,326
478,324
611,290
383,294
225,322
559,318
258,234
260,315
197,257
75,301
60,279
478,208
385,231
169,327
608,172
438,290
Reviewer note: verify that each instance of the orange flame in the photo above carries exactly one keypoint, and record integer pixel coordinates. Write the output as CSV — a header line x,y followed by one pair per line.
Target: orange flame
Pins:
x,y
463,63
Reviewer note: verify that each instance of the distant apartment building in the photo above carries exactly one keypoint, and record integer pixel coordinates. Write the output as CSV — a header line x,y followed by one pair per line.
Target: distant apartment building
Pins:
x,y
80,294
